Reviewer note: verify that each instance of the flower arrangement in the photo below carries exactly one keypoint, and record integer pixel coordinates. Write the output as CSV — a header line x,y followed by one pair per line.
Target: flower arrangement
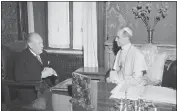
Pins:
x,y
143,12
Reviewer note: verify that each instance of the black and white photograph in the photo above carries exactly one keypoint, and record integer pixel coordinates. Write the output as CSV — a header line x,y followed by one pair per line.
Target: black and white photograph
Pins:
x,y
88,55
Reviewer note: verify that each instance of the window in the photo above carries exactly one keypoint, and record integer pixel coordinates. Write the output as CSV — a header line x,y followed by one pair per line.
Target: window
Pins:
x,y
65,25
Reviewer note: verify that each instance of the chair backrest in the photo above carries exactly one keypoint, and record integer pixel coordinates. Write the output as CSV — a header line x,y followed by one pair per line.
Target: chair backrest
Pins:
x,y
81,90
6,62
149,51
18,46
9,54
155,61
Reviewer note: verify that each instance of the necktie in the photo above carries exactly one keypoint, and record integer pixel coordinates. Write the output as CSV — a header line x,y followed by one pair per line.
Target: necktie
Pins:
x,y
39,58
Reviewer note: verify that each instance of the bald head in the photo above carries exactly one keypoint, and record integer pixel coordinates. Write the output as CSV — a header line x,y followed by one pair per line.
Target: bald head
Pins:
x,y
35,43
32,37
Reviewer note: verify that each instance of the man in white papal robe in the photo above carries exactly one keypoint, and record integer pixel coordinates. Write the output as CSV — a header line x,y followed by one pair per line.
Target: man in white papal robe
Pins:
x,y
129,64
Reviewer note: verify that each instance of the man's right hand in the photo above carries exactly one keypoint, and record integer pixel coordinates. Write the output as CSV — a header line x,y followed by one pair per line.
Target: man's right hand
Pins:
x,y
113,77
108,80
47,72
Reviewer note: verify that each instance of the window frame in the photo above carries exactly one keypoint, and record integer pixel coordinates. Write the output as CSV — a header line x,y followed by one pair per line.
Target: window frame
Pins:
x,y
63,50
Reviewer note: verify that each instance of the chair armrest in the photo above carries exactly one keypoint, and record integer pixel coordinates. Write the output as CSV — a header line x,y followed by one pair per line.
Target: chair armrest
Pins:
x,y
7,83
24,83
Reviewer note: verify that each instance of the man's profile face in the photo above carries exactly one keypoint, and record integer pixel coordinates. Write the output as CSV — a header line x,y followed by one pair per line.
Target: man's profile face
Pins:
x,y
120,39
37,45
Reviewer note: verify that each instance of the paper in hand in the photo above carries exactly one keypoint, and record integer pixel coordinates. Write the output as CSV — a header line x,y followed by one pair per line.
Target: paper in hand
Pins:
x,y
159,94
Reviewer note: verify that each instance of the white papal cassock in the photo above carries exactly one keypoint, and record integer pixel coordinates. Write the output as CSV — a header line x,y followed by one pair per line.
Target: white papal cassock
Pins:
x,y
129,65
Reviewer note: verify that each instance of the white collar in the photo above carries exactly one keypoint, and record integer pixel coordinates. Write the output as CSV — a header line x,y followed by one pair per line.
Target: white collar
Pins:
x,y
33,52
126,47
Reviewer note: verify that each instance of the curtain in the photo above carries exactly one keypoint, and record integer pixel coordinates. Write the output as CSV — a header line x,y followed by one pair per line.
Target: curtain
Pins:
x,y
30,17
40,26
58,26
101,31
90,34
77,25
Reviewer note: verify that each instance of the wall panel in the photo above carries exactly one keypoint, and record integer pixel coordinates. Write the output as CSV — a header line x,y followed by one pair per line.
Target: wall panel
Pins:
x,y
120,13
9,17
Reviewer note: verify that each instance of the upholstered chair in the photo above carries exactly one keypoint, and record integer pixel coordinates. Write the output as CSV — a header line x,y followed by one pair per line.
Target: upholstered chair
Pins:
x,y
155,61
18,46
9,85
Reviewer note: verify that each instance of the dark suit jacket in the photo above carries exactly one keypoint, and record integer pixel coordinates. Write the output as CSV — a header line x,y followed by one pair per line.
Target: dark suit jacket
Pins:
x,y
28,67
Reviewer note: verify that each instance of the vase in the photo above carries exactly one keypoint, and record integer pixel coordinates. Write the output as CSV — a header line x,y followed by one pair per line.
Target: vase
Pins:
x,y
150,35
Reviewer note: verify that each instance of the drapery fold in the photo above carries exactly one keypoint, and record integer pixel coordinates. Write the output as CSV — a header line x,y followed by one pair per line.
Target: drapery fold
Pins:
x,y
90,34
84,28
30,17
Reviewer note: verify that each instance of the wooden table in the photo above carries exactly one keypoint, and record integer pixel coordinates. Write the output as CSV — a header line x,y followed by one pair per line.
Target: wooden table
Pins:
x,y
94,73
101,92
103,103
100,98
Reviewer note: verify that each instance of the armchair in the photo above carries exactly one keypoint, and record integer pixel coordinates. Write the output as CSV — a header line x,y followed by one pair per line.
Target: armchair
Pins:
x,y
9,84
157,63
81,90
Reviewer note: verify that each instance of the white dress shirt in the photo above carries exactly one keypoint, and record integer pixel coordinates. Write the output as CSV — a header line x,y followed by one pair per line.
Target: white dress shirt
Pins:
x,y
37,56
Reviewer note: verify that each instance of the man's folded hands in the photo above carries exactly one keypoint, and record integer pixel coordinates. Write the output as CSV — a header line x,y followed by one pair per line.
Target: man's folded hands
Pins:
x,y
48,72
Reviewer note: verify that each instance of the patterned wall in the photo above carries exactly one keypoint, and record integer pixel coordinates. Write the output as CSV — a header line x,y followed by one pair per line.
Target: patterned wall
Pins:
x,y
120,13
9,31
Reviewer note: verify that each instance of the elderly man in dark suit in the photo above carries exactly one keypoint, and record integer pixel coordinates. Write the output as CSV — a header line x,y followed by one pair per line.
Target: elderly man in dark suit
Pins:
x,y
33,65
